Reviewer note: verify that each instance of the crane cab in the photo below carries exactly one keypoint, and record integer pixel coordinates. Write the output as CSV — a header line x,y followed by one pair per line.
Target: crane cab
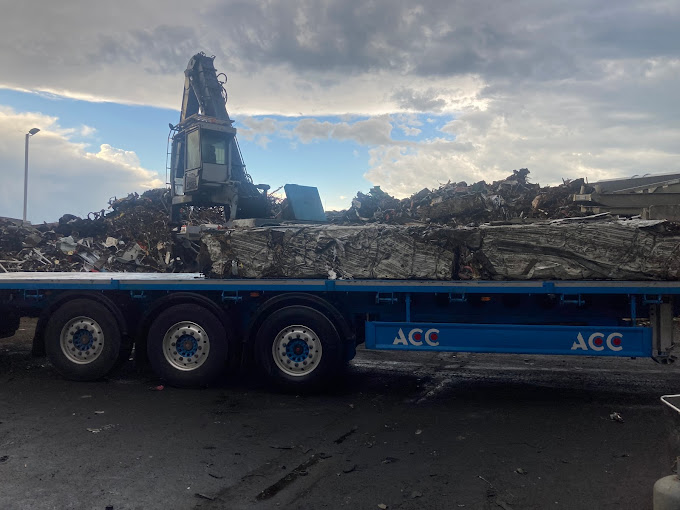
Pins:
x,y
207,169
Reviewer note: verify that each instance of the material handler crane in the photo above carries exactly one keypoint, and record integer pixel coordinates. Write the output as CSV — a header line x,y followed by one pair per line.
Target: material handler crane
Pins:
x,y
206,166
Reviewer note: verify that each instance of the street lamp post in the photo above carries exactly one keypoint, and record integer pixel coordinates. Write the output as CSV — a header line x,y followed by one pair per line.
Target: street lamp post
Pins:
x,y
28,135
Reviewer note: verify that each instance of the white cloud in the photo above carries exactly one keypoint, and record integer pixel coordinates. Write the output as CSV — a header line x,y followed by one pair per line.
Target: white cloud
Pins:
x,y
87,131
263,141
103,54
127,159
410,131
63,176
257,129
565,89
372,131
556,133
263,126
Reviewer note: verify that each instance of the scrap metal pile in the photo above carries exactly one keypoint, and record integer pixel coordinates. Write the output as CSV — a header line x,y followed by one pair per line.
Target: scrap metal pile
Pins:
x,y
509,229
132,236
513,198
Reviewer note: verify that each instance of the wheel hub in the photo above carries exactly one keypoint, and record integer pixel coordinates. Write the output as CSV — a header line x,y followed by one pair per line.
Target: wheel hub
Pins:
x,y
82,340
186,346
297,350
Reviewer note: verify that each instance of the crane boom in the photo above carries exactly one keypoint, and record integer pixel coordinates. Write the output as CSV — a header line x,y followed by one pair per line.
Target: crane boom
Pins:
x,y
203,93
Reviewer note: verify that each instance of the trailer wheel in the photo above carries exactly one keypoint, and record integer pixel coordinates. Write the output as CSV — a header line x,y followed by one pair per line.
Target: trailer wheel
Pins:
x,y
82,340
297,348
187,346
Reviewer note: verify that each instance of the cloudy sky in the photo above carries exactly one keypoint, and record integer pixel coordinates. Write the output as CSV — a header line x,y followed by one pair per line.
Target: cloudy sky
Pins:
x,y
341,94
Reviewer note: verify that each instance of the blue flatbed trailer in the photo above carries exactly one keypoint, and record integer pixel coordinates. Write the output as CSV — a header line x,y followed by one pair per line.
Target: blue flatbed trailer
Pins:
x,y
299,333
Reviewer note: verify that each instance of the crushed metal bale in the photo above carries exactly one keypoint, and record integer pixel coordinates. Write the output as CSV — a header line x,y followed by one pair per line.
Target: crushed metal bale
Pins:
x,y
600,247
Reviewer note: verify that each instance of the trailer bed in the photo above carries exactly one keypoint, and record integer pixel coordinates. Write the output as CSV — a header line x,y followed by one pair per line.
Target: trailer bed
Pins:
x,y
198,282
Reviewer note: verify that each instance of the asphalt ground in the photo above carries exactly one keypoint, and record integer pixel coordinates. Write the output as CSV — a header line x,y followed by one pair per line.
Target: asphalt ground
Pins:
x,y
401,431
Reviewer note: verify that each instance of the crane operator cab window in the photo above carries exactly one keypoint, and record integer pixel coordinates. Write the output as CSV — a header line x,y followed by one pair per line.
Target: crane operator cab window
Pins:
x,y
193,150
214,146
215,155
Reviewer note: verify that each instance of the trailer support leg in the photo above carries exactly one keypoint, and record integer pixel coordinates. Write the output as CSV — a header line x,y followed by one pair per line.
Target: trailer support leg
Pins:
x,y
661,318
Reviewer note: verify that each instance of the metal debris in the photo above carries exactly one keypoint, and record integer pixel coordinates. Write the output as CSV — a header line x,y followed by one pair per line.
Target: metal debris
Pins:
x,y
459,204
616,417
132,236
108,426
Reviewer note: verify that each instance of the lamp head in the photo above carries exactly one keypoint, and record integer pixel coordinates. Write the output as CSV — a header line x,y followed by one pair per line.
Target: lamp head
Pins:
x,y
33,131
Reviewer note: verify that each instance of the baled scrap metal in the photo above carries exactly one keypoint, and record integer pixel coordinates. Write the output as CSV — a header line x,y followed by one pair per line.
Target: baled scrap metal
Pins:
x,y
320,251
600,248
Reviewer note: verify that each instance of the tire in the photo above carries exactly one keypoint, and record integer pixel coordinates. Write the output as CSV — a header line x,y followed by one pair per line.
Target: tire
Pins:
x,y
204,351
298,348
82,340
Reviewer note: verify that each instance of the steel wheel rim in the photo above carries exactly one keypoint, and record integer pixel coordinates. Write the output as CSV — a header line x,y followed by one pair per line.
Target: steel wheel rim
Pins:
x,y
82,340
186,346
297,350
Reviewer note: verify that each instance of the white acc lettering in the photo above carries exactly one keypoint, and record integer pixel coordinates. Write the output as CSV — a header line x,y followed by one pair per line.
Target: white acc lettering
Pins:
x,y
400,339
416,337
432,337
614,341
597,342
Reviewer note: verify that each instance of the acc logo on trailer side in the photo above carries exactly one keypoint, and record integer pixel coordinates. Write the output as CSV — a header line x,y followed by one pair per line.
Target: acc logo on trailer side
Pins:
x,y
417,337
597,342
